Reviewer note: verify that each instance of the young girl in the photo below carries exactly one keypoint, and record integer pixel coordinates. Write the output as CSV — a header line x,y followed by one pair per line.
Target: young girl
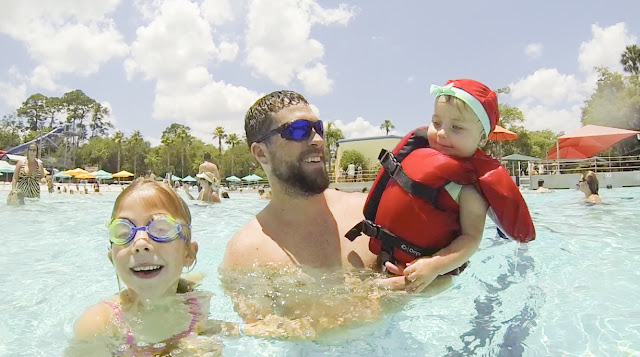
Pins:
x,y
158,313
588,184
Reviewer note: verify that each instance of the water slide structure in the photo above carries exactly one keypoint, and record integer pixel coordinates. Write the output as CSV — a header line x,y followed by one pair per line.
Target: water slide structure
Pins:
x,y
47,138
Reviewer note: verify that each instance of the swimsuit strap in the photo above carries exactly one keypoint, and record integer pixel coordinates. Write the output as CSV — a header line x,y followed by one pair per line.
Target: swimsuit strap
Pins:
x,y
194,310
196,314
118,315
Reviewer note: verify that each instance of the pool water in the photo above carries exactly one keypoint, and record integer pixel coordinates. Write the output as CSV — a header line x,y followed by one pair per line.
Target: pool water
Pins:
x,y
571,292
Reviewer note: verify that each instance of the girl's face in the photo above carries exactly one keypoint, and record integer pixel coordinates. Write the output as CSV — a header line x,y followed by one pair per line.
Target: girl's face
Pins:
x,y
584,186
149,268
455,130
32,152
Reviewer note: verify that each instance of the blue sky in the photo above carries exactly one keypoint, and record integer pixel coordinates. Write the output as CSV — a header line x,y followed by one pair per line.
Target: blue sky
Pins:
x,y
203,63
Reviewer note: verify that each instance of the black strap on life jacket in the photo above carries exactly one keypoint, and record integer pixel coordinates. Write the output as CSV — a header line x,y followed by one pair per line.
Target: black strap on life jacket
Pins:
x,y
390,240
392,169
416,141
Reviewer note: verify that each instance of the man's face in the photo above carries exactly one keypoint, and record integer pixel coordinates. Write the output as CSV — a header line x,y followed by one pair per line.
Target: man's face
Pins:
x,y
298,165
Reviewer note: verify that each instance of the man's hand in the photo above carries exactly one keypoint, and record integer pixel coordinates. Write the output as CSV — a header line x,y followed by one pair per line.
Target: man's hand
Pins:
x,y
398,282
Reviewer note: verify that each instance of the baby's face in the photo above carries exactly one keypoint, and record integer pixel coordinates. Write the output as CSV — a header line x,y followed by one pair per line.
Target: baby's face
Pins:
x,y
455,130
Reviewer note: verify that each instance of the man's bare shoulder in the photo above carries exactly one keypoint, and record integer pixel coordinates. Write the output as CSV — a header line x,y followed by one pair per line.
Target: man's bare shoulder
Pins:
x,y
248,246
345,200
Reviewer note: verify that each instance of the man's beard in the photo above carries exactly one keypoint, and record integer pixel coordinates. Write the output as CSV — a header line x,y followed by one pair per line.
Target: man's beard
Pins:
x,y
297,181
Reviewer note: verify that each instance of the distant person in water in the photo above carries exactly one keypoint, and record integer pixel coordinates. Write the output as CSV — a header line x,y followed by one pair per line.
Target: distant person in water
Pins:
x,y
208,166
541,188
589,185
29,173
209,191
15,198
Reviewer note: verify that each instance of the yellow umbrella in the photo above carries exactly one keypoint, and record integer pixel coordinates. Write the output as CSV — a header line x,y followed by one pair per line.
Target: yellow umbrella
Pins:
x,y
122,174
83,176
75,172
46,172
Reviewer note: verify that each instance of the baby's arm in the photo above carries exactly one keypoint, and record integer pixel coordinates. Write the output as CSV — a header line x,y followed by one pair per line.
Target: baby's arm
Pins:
x,y
473,209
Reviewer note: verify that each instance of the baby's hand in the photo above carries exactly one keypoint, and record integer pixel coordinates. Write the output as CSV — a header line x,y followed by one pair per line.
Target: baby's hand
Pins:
x,y
419,274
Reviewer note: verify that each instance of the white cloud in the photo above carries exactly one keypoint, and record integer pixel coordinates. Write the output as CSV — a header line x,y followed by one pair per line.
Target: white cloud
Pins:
x,y
41,77
13,94
552,100
228,51
153,140
361,128
540,117
411,79
111,118
71,36
315,79
174,49
278,42
548,87
604,49
66,36
533,50
217,12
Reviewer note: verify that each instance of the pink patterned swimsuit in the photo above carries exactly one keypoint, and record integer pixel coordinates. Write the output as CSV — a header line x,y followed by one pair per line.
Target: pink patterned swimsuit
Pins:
x,y
131,348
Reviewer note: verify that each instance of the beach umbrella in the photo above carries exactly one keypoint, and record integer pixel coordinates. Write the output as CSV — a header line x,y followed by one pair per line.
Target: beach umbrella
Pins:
x,y
75,172
102,175
518,157
62,175
588,141
85,176
252,177
233,179
189,179
502,134
7,167
122,174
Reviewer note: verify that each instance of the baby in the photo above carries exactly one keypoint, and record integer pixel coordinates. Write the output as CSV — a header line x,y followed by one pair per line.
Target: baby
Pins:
x,y
426,210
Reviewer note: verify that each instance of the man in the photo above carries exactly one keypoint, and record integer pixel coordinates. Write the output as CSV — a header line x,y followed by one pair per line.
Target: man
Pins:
x,y
208,166
303,225
541,188
301,204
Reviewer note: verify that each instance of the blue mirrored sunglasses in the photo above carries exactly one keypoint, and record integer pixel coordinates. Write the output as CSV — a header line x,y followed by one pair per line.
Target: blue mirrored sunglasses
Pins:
x,y
296,130
160,228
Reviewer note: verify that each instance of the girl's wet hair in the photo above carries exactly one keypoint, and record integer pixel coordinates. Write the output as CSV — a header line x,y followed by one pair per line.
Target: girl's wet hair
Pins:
x,y
155,194
592,180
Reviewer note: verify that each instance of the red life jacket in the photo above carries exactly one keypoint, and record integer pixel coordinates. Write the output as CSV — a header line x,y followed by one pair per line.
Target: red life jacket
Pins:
x,y
409,213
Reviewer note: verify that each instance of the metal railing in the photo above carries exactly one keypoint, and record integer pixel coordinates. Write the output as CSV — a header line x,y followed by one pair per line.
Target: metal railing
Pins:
x,y
576,166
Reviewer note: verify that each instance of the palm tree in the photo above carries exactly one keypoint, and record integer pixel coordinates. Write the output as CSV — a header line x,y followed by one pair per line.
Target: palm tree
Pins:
x,y
387,125
218,133
331,137
117,137
232,140
630,59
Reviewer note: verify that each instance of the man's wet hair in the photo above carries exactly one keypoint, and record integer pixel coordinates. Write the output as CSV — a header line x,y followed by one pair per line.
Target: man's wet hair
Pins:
x,y
207,156
259,118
